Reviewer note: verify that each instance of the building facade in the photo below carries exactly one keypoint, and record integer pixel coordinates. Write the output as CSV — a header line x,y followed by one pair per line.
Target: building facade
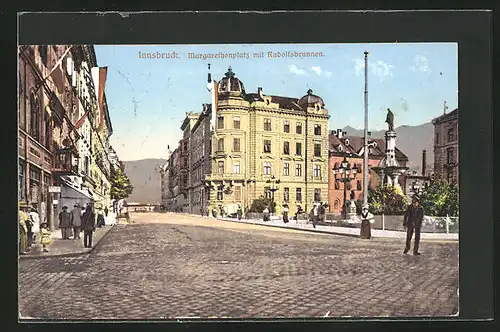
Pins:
x,y
54,148
352,148
253,145
200,162
446,147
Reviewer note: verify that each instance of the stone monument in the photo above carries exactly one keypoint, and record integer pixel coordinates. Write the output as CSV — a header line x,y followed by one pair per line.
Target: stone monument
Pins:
x,y
388,168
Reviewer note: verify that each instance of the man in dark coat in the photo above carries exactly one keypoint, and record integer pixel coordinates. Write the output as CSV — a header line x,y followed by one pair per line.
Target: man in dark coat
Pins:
x,y
65,223
88,226
413,221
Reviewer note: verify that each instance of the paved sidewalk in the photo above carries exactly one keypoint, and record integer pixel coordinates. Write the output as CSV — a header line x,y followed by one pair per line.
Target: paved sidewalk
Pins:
x,y
347,231
71,247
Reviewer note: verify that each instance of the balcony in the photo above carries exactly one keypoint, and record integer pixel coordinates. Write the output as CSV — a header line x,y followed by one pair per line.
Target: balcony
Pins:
x,y
63,162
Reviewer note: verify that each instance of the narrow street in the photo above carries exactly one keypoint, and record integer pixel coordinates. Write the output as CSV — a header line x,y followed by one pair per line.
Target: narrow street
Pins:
x,y
167,266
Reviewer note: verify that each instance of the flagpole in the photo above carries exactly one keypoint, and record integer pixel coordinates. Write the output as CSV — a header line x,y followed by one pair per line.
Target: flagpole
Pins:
x,y
365,150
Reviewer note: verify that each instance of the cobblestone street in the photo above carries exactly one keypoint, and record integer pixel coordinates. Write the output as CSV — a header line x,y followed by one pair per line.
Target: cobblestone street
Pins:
x,y
170,266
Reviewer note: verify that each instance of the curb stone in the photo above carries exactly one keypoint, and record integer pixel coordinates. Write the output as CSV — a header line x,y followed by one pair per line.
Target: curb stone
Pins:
x,y
292,228
70,254
331,232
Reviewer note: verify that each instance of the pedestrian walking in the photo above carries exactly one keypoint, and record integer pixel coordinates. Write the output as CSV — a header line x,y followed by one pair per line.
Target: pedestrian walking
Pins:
x,y
76,219
222,212
366,219
45,236
266,214
65,223
106,210
285,213
88,226
314,215
412,221
299,212
239,212
321,212
23,231
214,213
100,217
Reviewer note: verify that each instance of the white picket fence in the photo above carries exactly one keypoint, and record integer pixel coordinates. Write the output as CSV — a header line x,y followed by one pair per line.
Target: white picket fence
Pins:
x,y
440,224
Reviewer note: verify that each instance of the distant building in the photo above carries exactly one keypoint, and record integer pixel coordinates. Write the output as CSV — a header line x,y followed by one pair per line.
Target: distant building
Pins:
x,y
342,145
446,150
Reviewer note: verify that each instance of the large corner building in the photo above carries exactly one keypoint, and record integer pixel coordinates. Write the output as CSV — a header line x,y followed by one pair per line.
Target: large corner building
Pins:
x,y
247,145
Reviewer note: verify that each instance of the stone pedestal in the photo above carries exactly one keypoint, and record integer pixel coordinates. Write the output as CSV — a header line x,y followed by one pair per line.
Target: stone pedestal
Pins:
x,y
351,211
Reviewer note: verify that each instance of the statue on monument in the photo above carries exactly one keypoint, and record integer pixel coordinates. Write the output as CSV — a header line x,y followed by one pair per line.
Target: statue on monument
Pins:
x,y
390,120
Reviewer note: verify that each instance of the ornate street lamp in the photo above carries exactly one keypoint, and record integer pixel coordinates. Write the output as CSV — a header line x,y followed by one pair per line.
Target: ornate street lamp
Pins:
x,y
274,186
346,174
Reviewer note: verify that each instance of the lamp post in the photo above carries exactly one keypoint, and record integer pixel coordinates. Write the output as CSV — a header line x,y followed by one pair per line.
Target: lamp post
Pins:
x,y
274,186
347,174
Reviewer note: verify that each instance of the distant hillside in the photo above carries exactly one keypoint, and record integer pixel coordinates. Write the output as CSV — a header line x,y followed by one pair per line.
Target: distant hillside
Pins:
x,y
411,140
145,178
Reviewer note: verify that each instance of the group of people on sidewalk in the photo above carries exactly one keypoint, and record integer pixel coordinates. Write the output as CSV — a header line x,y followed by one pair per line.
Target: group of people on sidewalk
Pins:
x,y
78,220
30,227
71,223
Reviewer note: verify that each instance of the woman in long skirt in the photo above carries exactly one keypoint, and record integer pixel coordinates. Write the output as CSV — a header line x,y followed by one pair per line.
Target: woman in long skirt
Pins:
x,y
23,233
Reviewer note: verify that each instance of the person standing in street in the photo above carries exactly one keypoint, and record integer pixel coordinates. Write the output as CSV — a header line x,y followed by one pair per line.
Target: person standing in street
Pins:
x,y
266,214
412,221
239,212
88,226
23,232
314,215
106,211
100,217
366,219
44,236
35,225
285,214
76,218
65,223
321,212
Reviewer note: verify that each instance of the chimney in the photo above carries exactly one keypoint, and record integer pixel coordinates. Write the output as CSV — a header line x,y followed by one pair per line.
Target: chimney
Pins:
x,y
339,133
424,162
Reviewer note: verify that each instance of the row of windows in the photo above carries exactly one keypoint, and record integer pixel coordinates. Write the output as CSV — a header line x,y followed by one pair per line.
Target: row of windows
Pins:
x,y
267,168
267,147
268,125
269,194
450,137
348,185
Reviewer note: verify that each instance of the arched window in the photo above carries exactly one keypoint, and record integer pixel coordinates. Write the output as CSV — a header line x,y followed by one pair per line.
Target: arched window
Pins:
x,y
336,204
337,184
34,116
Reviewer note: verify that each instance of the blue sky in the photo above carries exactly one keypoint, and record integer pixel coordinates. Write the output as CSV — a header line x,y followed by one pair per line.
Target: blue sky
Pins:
x,y
148,98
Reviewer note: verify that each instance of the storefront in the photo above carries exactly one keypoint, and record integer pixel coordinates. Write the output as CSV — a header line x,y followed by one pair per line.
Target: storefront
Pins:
x,y
70,195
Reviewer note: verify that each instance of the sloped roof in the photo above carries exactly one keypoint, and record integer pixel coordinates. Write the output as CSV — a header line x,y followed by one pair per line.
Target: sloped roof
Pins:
x,y
356,143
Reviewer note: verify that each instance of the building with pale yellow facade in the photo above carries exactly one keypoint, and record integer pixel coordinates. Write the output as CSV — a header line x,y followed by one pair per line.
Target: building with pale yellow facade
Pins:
x,y
247,145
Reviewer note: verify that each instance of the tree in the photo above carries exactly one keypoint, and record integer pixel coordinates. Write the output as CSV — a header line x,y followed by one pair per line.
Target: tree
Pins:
x,y
440,199
259,204
120,184
387,200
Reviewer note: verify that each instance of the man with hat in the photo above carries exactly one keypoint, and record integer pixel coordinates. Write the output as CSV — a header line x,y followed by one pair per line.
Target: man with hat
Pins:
x,y
65,223
412,221
76,221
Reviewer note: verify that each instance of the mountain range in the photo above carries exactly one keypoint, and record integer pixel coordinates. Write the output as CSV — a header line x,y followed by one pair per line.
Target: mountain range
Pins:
x,y
411,140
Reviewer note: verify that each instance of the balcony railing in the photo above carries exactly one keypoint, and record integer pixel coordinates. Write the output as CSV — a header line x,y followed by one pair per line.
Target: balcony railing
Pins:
x,y
63,161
